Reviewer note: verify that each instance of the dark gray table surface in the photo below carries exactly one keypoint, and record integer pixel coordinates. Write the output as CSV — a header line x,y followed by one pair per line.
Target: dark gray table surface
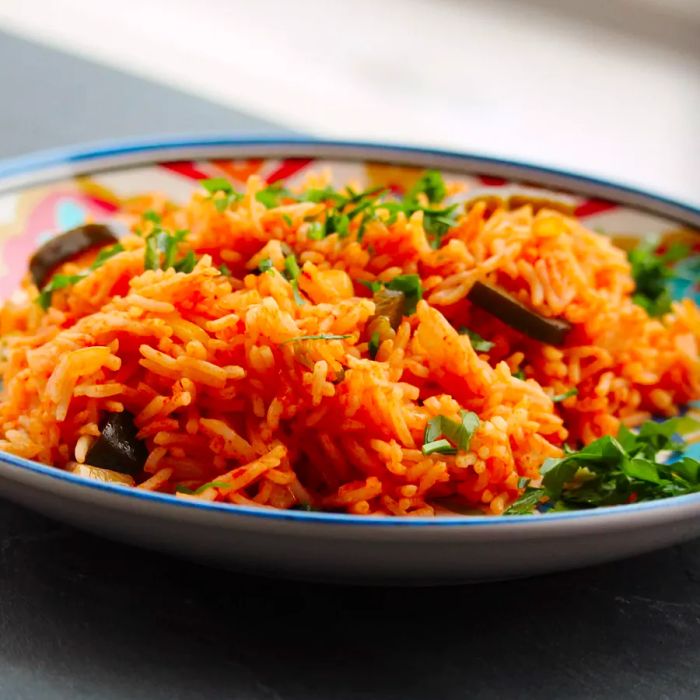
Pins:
x,y
82,617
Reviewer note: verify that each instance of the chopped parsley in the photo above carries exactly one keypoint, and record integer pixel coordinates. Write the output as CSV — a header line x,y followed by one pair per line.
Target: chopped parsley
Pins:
x,y
651,274
209,485
161,248
62,281
612,471
215,185
287,220
319,336
265,265
273,195
431,184
566,395
441,446
187,263
373,345
224,270
411,287
317,231
457,434
152,216
478,343
293,272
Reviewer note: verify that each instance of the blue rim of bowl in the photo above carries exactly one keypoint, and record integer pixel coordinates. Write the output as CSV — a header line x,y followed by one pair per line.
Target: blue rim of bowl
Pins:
x,y
84,154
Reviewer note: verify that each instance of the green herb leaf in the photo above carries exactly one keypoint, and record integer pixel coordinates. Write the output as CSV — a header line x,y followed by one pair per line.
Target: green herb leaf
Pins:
x,y
265,264
224,270
152,216
613,471
372,285
217,184
187,263
319,336
105,254
287,220
519,375
567,394
373,346
651,275
317,231
411,286
430,183
272,196
458,433
442,447
57,282
292,271
478,343
527,502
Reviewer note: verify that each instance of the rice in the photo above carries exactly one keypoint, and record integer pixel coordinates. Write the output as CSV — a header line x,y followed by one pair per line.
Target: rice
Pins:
x,y
232,408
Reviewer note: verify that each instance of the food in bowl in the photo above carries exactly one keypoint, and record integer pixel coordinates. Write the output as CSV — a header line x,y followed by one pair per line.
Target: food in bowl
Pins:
x,y
364,351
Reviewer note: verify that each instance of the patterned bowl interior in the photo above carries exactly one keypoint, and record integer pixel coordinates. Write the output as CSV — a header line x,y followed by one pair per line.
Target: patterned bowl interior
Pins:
x,y
31,215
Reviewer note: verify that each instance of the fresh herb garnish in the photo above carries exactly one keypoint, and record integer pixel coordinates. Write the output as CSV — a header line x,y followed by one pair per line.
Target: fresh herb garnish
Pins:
x,y
411,287
161,248
317,231
187,263
273,195
209,485
519,374
651,274
459,433
57,282
287,220
152,216
612,471
372,285
567,394
373,345
319,336
62,281
478,343
293,272
431,184
215,185
441,446
224,270
265,264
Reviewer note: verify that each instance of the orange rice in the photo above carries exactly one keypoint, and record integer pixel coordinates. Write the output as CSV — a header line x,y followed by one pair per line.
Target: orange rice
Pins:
x,y
219,393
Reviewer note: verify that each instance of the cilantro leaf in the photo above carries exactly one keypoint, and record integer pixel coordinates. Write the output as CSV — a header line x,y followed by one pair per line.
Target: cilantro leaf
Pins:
x,y
459,433
293,272
105,254
613,471
57,282
478,343
431,184
651,274
373,346
225,270
319,336
187,263
442,447
411,286
215,185
265,264
567,394
273,195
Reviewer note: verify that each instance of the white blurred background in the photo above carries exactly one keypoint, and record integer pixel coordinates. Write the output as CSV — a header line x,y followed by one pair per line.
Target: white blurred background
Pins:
x,y
611,88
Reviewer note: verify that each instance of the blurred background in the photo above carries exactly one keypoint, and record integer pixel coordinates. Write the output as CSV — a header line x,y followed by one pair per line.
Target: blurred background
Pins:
x,y
608,87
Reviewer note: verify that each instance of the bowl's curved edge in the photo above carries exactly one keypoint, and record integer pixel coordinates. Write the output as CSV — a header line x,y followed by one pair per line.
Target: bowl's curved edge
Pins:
x,y
49,165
